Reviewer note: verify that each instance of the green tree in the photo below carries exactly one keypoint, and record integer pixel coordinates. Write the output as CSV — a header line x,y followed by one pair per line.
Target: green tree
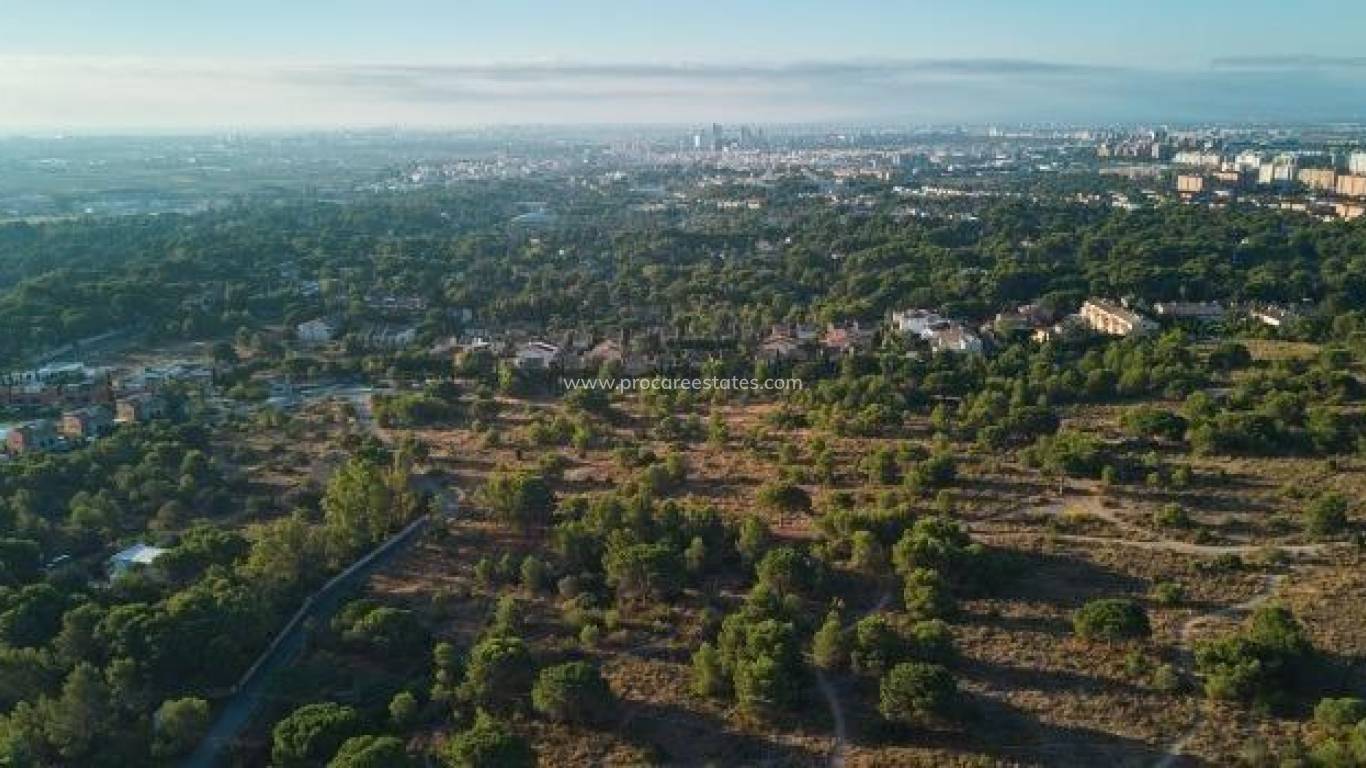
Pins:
x,y
178,726
371,752
1326,515
363,503
916,693
533,573
784,499
753,539
643,571
311,734
708,675
866,554
876,645
1259,663
499,673
1111,619
403,710
489,743
927,596
572,692
520,499
829,647
81,715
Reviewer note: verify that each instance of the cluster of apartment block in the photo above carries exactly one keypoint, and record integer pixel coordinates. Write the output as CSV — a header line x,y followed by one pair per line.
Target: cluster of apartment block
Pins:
x,y
1211,173
80,425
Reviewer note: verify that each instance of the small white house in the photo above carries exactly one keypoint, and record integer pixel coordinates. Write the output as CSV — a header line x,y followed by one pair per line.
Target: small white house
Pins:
x,y
537,355
318,331
955,338
137,556
917,322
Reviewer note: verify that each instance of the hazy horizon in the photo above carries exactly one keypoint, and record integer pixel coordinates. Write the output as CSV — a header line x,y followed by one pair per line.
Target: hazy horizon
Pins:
x,y
156,66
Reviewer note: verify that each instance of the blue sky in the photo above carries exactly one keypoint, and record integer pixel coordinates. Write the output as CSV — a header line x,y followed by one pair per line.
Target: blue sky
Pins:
x,y
97,64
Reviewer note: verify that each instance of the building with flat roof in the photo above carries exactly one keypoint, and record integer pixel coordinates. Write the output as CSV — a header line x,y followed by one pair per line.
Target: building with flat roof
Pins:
x,y
1113,319
135,557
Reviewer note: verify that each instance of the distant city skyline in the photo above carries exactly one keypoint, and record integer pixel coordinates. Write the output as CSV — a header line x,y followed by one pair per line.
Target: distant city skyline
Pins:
x,y
90,66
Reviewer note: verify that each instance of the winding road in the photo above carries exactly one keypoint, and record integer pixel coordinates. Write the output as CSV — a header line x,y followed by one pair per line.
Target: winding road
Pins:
x,y
236,712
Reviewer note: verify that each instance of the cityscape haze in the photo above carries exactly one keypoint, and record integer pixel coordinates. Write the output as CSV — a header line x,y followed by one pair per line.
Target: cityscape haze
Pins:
x,y
603,383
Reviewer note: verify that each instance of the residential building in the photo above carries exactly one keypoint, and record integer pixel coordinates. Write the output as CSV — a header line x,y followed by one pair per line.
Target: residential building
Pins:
x,y
133,558
385,337
916,322
61,384
1023,317
1068,327
1189,310
955,338
1113,319
1356,163
1190,183
1271,315
32,437
781,349
139,408
1318,179
1198,158
801,332
537,355
317,331
1351,186
1281,170
88,422
847,339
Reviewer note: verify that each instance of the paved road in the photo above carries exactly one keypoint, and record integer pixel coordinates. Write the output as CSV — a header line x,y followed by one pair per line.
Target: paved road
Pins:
x,y
237,710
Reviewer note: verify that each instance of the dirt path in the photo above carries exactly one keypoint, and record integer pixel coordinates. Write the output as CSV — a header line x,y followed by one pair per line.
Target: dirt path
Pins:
x,y
832,699
1177,749
1089,503
1173,545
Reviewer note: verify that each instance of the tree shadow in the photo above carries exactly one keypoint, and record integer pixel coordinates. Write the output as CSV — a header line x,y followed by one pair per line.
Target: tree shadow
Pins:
x,y
1013,735
1061,580
679,737
1013,678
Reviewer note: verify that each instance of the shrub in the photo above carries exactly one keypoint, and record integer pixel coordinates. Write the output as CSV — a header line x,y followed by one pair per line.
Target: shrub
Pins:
x,y
1172,516
1327,515
1168,593
1339,713
709,678
1111,619
914,693
371,752
572,692
312,733
403,709
533,573
932,641
829,649
178,726
1258,663
876,647
927,596
489,743
1166,679
499,672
